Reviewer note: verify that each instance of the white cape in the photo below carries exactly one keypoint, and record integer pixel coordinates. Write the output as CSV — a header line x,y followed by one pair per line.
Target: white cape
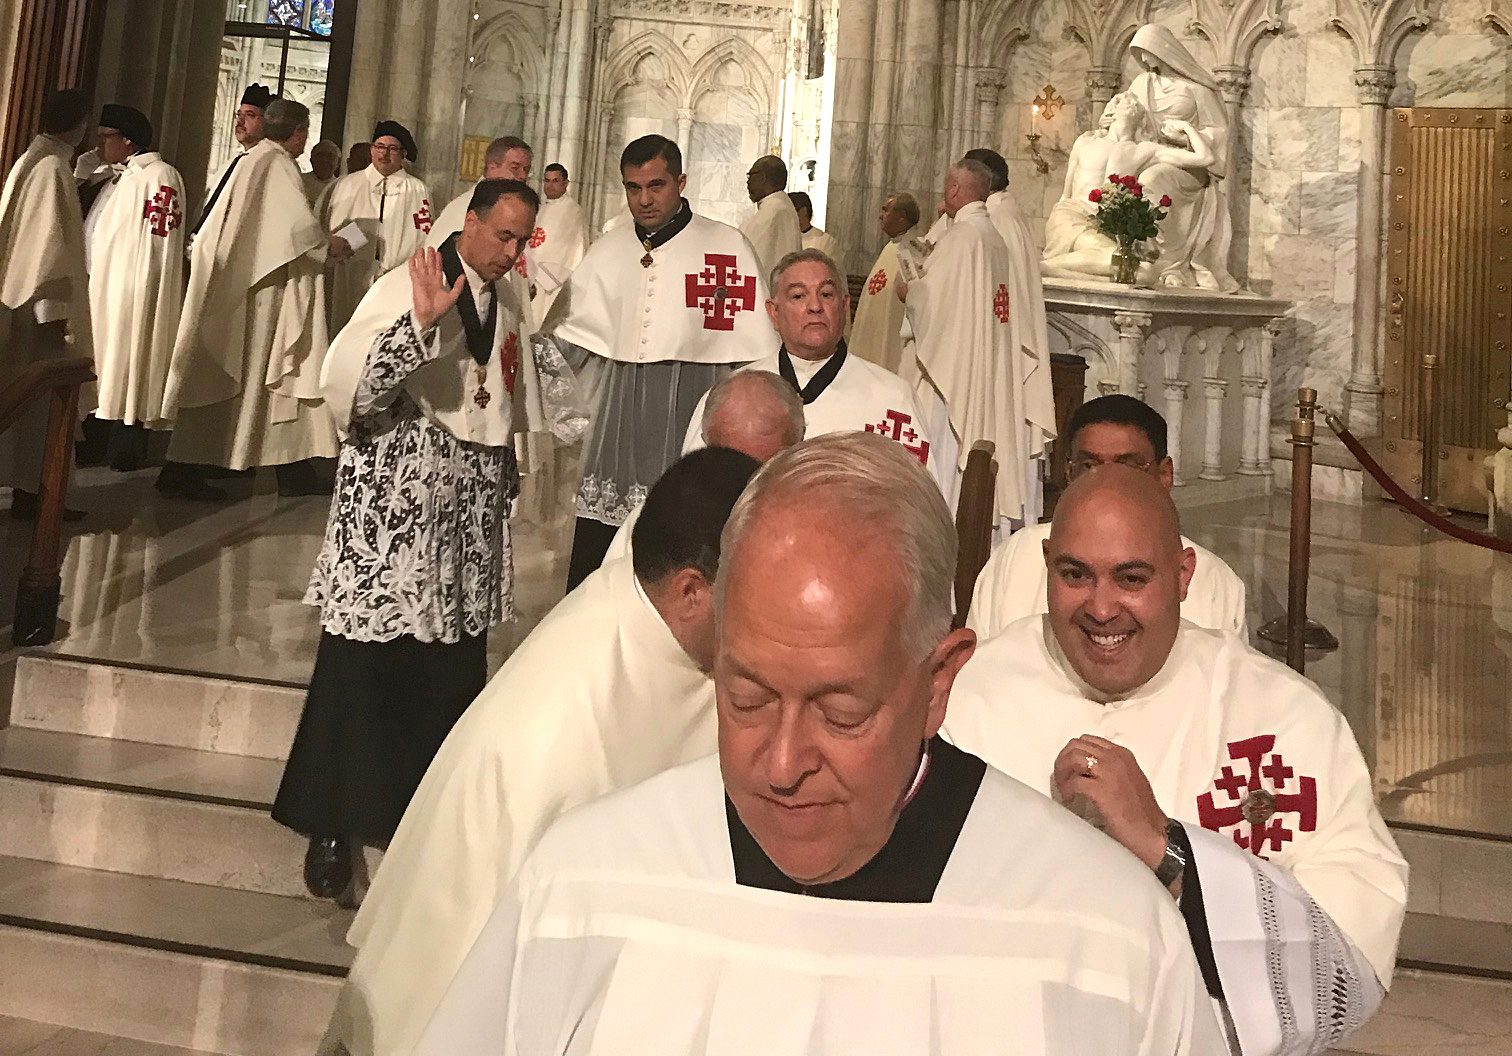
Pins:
x,y
136,290
1032,393
959,310
598,697
625,932
1013,583
1305,903
773,231
356,199
42,238
556,247
876,333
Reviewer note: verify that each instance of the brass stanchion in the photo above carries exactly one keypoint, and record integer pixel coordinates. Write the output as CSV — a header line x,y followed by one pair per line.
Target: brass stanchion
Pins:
x,y
1428,478
1295,630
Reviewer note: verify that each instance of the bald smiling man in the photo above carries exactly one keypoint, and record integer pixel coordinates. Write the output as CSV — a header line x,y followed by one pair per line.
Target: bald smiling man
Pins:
x,y
1227,774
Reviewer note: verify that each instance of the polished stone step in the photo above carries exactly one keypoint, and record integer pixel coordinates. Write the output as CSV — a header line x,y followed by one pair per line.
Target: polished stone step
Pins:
x,y
181,710
1438,1014
166,963
149,835
1460,876
131,766
25,1037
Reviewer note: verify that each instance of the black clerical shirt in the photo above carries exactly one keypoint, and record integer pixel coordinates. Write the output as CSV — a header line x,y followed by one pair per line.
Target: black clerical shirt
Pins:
x,y
908,868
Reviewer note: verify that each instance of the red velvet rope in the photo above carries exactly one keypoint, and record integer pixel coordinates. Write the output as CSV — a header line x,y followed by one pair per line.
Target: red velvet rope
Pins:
x,y
1407,502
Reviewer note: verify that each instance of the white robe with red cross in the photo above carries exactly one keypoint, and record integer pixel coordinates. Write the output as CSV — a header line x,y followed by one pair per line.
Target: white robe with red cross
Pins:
x,y
876,334
1302,887
136,289
394,215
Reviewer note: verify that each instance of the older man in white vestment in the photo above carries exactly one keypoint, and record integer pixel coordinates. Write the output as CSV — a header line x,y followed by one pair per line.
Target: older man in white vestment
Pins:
x,y
961,312
772,230
542,738
383,211
136,286
1227,774
1110,429
755,412
876,334
840,392
44,290
657,313
838,879
244,379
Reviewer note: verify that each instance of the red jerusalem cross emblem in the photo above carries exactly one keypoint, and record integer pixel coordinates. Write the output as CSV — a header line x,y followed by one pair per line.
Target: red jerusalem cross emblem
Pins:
x,y
1258,800
521,266
162,211
878,283
538,238
899,426
1000,303
509,361
423,217
720,291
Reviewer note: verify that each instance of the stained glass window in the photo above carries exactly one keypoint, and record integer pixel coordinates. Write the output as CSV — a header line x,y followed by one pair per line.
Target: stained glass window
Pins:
x,y
286,13
321,15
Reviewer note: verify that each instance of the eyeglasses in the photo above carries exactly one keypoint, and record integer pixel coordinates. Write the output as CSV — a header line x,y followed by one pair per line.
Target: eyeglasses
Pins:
x,y
1081,465
388,150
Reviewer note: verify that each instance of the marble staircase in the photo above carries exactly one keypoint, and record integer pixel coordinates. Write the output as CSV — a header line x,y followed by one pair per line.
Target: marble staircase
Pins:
x,y
145,894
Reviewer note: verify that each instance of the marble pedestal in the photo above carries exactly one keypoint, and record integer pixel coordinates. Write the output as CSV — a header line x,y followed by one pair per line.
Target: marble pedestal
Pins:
x,y
1163,345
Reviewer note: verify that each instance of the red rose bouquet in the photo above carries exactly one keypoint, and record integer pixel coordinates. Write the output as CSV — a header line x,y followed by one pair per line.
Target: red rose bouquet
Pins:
x,y
1126,216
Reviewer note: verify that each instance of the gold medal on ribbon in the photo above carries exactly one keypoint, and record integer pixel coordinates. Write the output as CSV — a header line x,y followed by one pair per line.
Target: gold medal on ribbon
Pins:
x,y
482,396
647,260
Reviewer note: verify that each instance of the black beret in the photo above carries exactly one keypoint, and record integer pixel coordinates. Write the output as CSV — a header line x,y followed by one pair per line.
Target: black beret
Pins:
x,y
258,95
399,132
129,122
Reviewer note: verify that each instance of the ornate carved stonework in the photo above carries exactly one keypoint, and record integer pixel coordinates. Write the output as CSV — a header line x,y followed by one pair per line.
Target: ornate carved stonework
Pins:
x,y
711,12
1375,83
1233,82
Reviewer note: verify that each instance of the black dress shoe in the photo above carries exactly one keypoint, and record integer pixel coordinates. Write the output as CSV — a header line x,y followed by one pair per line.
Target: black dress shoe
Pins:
x,y
327,866
184,482
302,478
25,505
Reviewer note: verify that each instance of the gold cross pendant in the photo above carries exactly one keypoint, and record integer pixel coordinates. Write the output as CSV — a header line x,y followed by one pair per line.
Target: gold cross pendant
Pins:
x,y
647,260
482,396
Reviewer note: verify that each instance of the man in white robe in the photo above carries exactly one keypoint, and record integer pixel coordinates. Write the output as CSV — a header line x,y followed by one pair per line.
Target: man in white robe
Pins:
x,y
325,167
541,739
559,242
840,392
136,286
44,290
812,237
1226,773
507,158
248,131
837,879
773,229
960,311
384,211
244,379
654,316
1110,429
876,333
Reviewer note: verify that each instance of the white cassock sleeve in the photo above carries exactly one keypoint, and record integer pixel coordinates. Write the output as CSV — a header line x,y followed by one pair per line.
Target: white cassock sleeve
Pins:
x,y
1293,982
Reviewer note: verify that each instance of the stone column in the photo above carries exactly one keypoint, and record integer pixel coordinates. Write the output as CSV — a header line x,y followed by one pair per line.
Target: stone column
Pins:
x,y
1172,342
597,215
685,135
1254,457
1234,83
1364,390
1214,389
556,78
916,112
440,109
1102,85
1131,328
989,93
575,93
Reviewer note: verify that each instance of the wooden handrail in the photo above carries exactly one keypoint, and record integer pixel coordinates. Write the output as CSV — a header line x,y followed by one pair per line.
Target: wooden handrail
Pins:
x,y
974,523
37,594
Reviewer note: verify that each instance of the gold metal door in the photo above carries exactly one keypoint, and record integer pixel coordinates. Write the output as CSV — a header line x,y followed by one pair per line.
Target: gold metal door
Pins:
x,y
1448,294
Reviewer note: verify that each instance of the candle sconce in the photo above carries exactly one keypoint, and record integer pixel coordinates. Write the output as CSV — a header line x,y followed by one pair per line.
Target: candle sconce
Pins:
x,y
1047,104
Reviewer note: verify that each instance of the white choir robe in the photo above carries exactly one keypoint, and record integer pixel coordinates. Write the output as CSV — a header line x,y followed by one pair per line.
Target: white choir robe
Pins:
x,y
625,932
876,333
361,197
773,231
136,289
1013,584
1306,902
863,397
314,186
598,697
244,380
556,247
42,281
649,342
959,310
1032,392
817,238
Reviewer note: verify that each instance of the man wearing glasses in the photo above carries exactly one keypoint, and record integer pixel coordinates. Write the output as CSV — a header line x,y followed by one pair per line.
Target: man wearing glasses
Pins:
x,y
390,209
1108,429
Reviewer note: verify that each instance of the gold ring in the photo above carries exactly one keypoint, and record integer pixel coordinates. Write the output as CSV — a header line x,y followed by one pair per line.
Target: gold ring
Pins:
x,y
1091,764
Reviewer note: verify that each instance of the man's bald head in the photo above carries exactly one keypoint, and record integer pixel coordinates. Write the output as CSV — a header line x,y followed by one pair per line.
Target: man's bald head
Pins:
x,y
1117,574
755,412
768,175
967,181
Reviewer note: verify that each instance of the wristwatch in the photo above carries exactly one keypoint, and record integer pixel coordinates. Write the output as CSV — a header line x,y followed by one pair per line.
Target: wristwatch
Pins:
x,y
1173,863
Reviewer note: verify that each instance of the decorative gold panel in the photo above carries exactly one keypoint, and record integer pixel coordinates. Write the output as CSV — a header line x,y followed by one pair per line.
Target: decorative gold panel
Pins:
x,y
1448,277
473,149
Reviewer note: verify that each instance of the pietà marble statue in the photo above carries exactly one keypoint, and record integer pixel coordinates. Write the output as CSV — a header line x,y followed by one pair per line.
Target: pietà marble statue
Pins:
x,y
1168,129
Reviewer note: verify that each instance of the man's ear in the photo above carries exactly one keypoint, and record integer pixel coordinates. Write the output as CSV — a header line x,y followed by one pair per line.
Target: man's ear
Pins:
x,y
690,592
946,662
